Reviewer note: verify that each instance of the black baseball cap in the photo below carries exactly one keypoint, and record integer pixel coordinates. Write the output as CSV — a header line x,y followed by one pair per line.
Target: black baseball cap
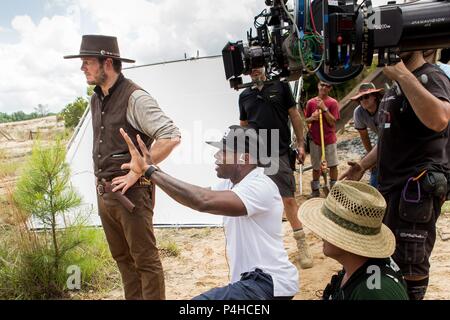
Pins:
x,y
242,140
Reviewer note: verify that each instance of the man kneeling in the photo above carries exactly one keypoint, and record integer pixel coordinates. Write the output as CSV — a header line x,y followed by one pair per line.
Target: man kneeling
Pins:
x,y
252,208
349,221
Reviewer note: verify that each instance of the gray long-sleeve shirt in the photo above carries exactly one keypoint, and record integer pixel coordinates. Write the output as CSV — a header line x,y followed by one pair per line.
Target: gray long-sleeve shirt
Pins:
x,y
145,115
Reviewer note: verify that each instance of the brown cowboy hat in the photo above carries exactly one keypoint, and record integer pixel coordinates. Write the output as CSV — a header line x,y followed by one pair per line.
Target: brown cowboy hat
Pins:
x,y
99,46
366,88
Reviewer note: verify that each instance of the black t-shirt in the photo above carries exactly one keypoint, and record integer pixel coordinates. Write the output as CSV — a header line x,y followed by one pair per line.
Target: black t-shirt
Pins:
x,y
407,146
268,109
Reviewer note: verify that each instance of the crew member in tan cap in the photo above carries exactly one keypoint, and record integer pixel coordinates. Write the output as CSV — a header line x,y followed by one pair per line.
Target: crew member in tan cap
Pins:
x,y
126,217
366,116
349,221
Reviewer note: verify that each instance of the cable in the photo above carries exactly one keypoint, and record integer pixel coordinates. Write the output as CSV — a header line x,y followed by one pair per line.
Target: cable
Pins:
x,y
300,41
226,255
262,14
312,17
359,7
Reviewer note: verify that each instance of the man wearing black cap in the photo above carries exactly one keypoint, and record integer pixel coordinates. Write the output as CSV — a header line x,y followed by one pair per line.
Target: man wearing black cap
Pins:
x,y
126,217
268,109
252,208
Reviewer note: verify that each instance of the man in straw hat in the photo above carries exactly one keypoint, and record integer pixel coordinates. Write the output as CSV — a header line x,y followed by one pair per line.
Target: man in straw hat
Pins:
x,y
412,162
366,116
251,206
126,218
349,221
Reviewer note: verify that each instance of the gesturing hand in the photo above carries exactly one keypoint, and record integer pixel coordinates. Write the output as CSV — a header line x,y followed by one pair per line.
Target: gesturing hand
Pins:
x,y
139,164
355,172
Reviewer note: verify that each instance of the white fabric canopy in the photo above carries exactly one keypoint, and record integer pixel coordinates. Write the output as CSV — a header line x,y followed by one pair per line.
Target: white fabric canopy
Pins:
x,y
195,94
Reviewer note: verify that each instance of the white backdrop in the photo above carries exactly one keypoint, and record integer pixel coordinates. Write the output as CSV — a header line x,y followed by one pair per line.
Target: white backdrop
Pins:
x,y
195,94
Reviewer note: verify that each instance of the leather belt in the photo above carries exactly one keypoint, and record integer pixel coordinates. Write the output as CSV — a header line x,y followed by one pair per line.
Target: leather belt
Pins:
x,y
107,187
104,186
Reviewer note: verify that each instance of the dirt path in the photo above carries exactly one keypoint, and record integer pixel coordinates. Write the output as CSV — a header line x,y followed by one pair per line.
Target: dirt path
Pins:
x,y
201,263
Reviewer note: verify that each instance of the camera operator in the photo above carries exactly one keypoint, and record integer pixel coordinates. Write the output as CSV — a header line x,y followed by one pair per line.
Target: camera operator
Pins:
x,y
269,106
411,159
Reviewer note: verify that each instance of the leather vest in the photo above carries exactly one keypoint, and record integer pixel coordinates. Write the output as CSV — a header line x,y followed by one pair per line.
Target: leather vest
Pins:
x,y
109,114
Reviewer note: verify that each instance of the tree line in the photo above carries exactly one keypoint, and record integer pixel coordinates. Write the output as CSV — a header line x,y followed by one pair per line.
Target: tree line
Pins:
x,y
40,111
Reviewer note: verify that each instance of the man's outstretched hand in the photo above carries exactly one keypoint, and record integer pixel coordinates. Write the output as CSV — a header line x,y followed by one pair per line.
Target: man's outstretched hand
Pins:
x,y
355,172
137,166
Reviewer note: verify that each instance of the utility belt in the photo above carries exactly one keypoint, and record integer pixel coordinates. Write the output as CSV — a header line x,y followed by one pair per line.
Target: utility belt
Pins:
x,y
421,195
433,183
103,186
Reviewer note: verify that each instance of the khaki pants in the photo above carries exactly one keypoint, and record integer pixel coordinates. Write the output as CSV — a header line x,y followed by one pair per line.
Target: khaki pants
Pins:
x,y
132,243
330,155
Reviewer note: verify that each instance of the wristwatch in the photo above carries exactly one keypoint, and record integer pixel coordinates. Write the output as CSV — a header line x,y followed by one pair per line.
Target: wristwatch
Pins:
x,y
326,110
150,171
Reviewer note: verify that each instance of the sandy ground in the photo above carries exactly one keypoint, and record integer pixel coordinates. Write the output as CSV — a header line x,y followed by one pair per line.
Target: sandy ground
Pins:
x,y
23,135
202,262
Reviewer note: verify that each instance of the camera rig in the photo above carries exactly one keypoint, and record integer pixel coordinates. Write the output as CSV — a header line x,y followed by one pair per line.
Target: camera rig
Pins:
x,y
334,39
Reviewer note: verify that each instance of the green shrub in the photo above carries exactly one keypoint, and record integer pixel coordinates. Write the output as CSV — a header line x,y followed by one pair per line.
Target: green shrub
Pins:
x,y
34,265
73,112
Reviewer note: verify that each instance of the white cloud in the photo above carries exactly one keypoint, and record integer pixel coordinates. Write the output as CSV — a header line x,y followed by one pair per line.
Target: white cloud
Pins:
x,y
33,71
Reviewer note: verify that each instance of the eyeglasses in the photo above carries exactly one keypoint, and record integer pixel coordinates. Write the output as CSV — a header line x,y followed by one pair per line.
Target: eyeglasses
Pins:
x,y
325,85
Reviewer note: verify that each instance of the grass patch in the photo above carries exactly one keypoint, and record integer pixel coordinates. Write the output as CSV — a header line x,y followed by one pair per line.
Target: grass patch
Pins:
x,y
9,169
202,233
169,248
3,154
30,275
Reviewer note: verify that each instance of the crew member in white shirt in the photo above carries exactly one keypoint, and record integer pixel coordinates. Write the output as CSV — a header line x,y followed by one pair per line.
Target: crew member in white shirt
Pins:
x,y
252,208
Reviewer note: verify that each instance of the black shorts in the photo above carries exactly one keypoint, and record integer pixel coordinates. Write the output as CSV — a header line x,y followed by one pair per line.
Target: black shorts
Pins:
x,y
414,227
284,178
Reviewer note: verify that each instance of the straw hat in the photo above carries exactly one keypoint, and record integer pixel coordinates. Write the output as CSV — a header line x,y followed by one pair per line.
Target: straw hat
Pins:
x,y
366,88
351,219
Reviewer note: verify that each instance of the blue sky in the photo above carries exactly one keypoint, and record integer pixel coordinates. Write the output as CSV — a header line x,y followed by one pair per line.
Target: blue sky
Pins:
x,y
12,8
36,9
36,34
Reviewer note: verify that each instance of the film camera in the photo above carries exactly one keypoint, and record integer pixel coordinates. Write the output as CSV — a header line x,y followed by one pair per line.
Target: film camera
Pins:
x,y
334,39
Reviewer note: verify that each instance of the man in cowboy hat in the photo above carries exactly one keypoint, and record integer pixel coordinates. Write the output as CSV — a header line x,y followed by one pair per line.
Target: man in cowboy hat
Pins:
x,y
412,162
251,206
330,111
126,218
366,116
349,221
